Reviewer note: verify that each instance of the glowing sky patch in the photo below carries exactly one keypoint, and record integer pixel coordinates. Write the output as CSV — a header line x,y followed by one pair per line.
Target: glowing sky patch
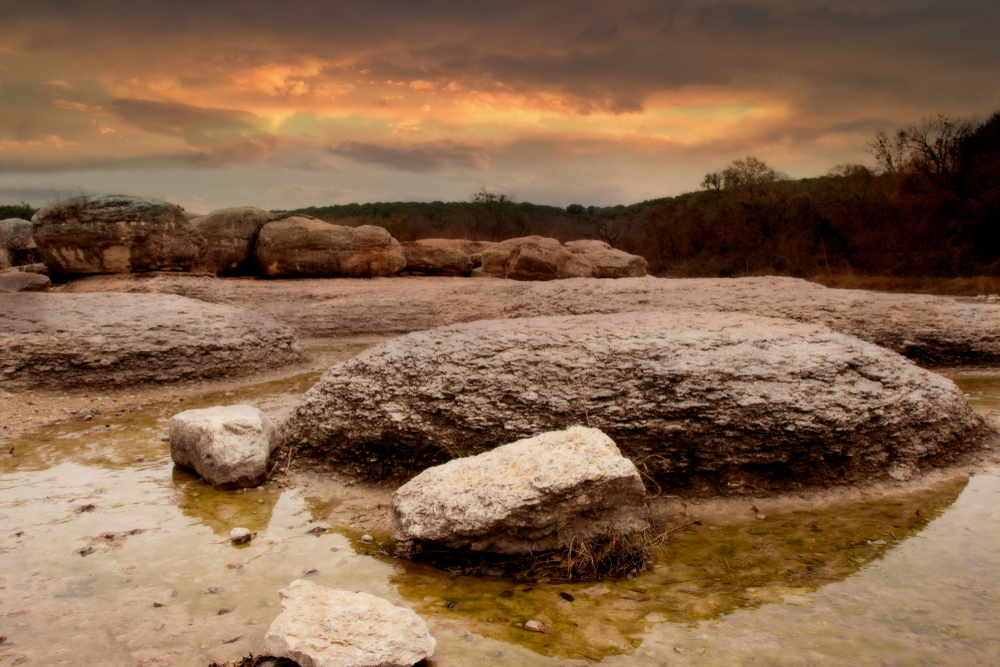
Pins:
x,y
557,102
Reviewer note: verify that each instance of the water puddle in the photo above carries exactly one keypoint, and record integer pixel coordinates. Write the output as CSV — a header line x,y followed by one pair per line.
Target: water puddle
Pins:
x,y
109,555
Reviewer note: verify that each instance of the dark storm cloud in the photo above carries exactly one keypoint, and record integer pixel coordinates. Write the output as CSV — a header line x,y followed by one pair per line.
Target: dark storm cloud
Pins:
x,y
418,159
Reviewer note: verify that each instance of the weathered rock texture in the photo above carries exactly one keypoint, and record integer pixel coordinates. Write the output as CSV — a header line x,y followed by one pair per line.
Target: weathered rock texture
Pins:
x,y
435,260
115,234
228,237
535,258
531,495
930,329
66,340
301,246
17,247
607,261
320,627
24,282
734,397
227,446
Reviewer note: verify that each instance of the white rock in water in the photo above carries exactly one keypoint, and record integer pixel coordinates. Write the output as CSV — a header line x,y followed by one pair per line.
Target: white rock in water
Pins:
x,y
530,495
228,446
240,535
321,627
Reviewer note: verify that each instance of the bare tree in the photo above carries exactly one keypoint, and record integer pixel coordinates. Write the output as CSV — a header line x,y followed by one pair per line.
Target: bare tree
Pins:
x,y
890,152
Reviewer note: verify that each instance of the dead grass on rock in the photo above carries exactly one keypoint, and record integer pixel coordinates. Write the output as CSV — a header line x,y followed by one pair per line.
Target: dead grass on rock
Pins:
x,y
612,556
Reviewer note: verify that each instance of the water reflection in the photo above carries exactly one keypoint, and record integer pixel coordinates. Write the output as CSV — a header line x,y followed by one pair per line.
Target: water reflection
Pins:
x,y
702,573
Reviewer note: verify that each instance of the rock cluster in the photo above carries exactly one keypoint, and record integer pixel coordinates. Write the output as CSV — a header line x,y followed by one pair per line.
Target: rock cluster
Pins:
x,y
322,627
535,258
60,341
17,247
112,234
531,495
607,261
115,234
740,398
300,246
227,446
228,238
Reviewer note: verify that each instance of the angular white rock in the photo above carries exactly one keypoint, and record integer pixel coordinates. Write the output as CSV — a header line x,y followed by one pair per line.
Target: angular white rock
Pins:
x,y
321,627
533,494
228,446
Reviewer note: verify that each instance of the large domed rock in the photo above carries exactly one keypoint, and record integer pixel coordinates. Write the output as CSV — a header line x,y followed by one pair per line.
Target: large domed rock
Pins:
x,y
739,400
535,258
300,246
115,234
229,235
609,262
57,341
532,495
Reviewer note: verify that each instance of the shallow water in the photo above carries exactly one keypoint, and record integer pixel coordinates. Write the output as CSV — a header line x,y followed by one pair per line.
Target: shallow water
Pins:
x,y
96,526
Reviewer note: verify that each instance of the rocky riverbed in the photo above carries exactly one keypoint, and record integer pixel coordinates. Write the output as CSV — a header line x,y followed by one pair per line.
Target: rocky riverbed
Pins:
x,y
896,571
104,541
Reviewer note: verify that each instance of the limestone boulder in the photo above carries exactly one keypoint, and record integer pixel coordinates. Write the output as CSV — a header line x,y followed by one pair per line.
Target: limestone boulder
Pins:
x,y
531,495
737,400
227,446
322,627
535,258
59,341
300,246
609,262
434,260
229,236
17,247
115,234
24,282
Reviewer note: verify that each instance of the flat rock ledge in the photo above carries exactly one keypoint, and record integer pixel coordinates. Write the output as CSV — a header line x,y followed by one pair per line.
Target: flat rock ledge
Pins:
x,y
61,341
532,495
933,330
228,446
743,403
322,627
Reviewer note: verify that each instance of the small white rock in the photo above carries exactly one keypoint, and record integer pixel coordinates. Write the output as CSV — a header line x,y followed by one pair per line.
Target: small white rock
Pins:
x,y
367,538
534,626
331,628
240,535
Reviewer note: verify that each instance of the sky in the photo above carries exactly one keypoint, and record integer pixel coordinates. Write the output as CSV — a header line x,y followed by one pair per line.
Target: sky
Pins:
x,y
310,102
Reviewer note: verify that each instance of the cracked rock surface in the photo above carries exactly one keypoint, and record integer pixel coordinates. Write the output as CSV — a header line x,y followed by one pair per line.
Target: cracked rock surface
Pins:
x,y
58,341
732,398
324,627
531,495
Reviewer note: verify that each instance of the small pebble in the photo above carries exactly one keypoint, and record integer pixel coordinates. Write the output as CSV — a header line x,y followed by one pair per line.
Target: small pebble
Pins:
x,y
761,517
240,535
366,538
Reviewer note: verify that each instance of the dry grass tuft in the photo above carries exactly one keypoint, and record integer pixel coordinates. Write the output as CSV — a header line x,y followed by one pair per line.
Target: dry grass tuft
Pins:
x,y
607,557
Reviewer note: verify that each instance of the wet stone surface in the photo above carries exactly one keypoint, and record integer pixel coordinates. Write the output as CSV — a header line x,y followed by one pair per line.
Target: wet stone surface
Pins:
x,y
907,578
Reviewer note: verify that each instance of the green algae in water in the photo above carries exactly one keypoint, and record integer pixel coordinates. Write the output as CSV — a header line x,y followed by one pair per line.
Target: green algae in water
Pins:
x,y
982,392
135,437
700,574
